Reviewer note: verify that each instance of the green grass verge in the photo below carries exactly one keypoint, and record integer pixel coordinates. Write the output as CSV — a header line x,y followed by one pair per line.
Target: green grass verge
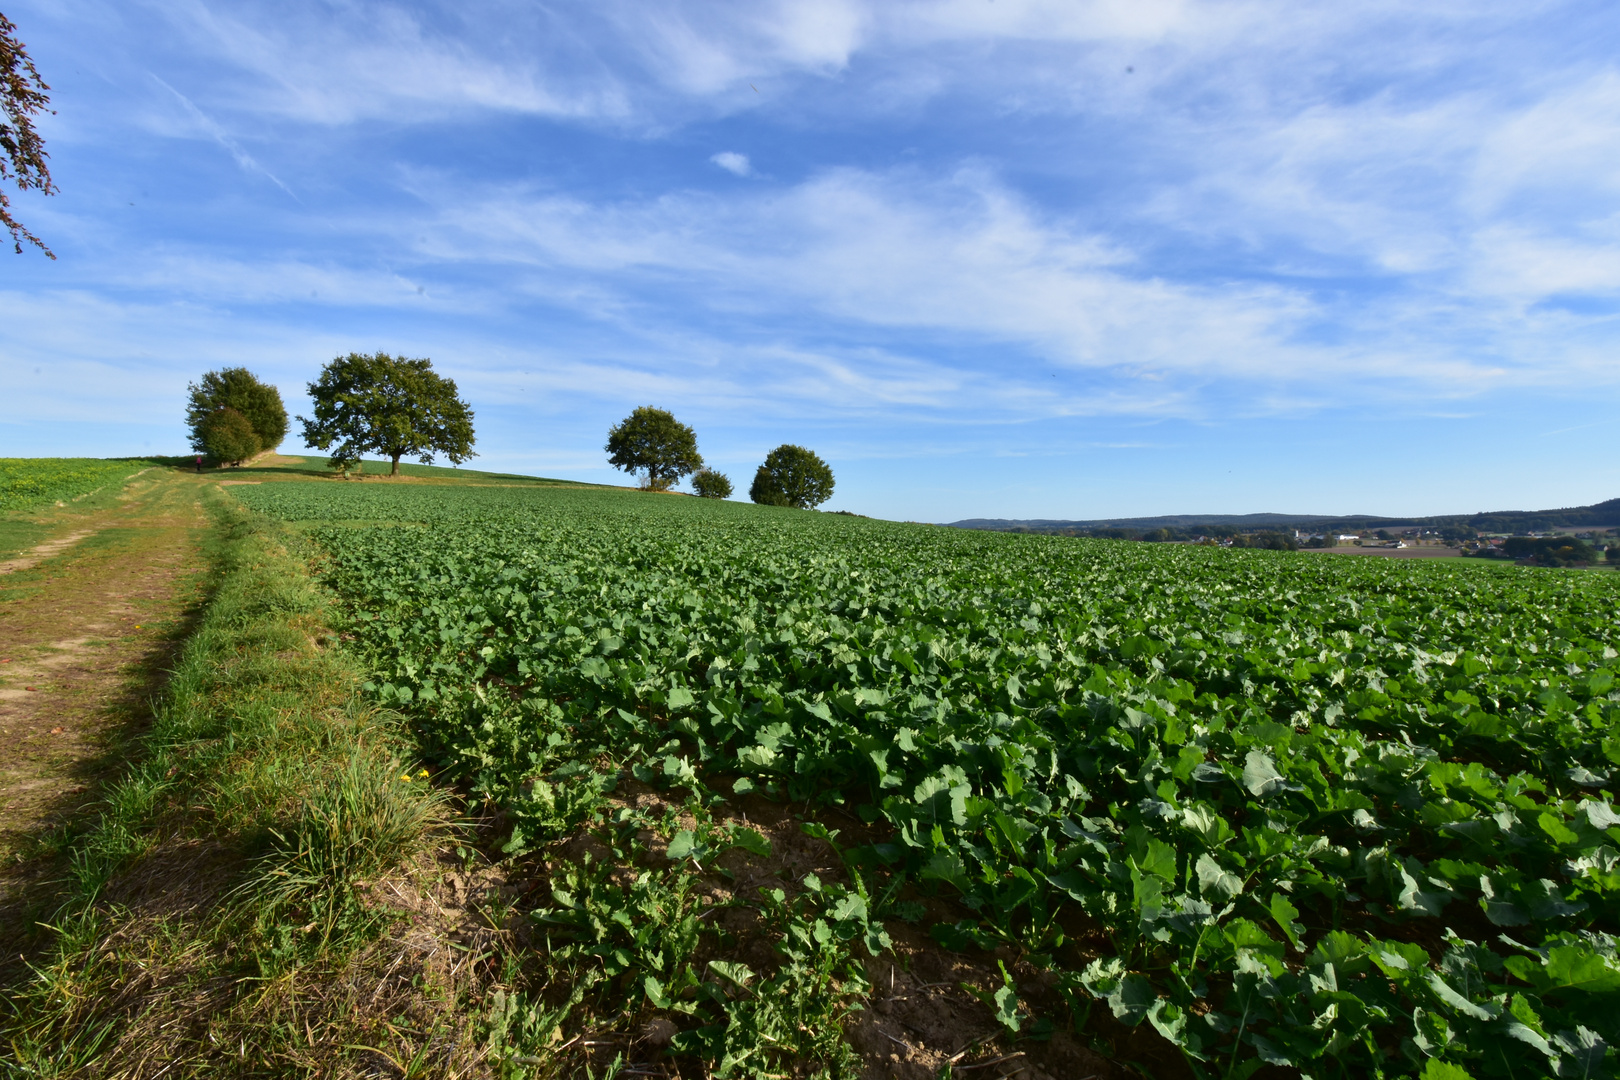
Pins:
x,y
19,536
315,465
219,915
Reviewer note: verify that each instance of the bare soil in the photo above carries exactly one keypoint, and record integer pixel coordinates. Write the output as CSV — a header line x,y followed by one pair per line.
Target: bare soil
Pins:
x,y
921,1016
89,622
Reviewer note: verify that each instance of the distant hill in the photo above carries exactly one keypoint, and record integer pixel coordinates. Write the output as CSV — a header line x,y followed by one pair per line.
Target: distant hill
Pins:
x,y
1169,521
1597,516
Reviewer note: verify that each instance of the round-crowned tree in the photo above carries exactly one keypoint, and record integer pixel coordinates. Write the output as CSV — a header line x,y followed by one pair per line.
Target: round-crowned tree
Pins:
x,y
792,476
388,405
237,389
652,442
712,485
226,436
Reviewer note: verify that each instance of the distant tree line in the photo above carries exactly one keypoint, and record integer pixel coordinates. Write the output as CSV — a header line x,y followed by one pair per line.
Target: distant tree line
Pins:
x,y
1545,551
1236,537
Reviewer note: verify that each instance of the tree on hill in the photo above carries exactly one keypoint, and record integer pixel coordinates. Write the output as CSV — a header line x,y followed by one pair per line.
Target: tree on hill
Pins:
x,y
1549,550
387,405
22,151
712,485
651,441
227,437
792,476
237,389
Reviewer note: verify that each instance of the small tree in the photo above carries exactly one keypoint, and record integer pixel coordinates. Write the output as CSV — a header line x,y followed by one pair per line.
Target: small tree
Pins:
x,y
712,485
388,405
792,476
240,390
227,437
653,442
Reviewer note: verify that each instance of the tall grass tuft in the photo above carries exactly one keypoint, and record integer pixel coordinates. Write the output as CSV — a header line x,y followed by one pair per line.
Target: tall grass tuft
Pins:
x,y
361,819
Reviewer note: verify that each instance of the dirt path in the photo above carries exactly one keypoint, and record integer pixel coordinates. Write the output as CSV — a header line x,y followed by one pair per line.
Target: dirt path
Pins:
x,y
50,548
89,623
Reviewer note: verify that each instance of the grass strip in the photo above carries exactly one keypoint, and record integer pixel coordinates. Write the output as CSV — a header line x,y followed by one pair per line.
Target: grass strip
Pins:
x,y
222,913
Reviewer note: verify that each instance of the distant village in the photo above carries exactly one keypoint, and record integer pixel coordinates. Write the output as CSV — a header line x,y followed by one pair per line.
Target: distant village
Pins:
x,y
1577,537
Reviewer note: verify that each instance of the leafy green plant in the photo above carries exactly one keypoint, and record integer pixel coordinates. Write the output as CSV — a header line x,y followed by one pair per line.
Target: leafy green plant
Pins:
x,y
1266,779
26,483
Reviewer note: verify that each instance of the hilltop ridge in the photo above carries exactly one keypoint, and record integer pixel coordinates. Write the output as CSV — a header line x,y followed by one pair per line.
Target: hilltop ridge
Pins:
x,y
1596,516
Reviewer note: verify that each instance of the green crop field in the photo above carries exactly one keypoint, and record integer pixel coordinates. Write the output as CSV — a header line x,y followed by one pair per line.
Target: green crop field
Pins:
x,y
1349,815
29,483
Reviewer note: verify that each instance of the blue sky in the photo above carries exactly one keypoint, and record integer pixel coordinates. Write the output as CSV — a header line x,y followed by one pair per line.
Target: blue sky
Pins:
x,y
990,258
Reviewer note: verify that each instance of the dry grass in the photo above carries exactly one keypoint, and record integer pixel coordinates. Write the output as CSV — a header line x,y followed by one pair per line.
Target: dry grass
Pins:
x,y
262,892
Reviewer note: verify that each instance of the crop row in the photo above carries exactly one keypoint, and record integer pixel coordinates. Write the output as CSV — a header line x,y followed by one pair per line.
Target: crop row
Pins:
x,y
1349,815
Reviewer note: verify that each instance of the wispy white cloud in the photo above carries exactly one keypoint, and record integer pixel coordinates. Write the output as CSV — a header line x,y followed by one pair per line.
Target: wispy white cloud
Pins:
x,y
962,258
214,131
733,162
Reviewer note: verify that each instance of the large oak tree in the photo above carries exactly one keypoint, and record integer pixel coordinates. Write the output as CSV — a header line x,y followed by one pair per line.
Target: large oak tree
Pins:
x,y
387,405
653,442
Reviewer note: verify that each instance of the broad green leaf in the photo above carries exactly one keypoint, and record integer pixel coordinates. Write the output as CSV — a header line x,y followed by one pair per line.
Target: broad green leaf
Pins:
x,y
1285,914
732,971
1435,1069
1006,1009
1574,967
1446,994
751,840
681,846
1260,774
1215,883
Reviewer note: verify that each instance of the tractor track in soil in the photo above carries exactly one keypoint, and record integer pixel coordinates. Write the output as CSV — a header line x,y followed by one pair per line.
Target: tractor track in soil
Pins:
x,y
90,623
